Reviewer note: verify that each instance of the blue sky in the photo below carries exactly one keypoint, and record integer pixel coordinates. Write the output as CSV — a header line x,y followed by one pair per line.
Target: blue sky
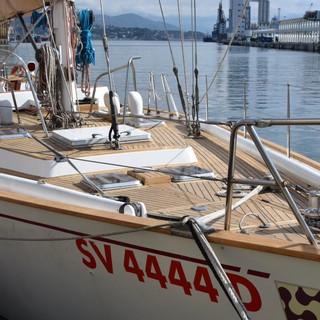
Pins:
x,y
206,9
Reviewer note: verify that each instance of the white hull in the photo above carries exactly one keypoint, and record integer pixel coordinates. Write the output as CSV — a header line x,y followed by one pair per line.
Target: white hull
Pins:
x,y
142,275
89,235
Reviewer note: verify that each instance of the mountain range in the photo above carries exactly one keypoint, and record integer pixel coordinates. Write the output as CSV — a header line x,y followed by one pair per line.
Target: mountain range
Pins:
x,y
131,20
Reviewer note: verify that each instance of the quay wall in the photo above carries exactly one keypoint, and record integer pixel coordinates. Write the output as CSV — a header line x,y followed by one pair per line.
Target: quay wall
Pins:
x,y
296,46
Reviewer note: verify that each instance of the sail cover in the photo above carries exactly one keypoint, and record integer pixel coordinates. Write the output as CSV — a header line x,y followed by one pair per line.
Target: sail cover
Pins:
x,y
10,8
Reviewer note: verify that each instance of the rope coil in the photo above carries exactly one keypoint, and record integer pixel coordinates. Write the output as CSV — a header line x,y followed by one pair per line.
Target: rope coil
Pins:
x,y
85,51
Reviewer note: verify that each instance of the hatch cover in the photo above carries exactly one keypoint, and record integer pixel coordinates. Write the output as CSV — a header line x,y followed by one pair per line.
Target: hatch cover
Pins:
x,y
83,137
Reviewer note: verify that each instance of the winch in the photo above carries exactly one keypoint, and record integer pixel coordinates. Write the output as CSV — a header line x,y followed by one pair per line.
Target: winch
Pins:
x,y
312,213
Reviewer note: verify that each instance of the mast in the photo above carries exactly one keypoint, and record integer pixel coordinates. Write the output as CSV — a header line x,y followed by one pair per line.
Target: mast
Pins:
x,y
63,26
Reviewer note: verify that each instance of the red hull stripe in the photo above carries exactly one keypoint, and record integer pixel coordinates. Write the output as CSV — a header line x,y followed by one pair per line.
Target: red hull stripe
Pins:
x,y
131,246
105,240
258,274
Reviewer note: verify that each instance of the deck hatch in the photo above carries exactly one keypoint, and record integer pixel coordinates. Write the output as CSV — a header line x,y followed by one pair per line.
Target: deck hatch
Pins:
x,y
12,133
187,173
108,181
83,137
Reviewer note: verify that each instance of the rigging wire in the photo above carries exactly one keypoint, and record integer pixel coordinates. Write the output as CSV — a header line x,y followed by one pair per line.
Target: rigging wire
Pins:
x,y
167,34
192,45
176,72
194,17
60,157
106,46
207,178
183,53
114,130
195,114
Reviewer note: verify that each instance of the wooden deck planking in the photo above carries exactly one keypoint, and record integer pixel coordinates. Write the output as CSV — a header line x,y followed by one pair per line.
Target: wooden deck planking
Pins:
x,y
178,198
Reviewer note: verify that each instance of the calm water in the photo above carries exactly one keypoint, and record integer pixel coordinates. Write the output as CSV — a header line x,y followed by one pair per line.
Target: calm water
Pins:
x,y
267,73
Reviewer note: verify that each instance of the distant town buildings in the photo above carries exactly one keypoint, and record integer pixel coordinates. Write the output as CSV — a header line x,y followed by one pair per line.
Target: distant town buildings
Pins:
x,y
244,29
263,13
305,29
235,11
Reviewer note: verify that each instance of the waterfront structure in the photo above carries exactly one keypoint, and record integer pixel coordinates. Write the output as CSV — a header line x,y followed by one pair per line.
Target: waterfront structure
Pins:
x,y
220,28
299,30
4,33
244,31
263,13
219,32
235,10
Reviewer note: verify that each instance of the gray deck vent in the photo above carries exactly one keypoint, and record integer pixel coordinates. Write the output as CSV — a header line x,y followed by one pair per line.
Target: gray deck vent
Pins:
x,y
108,181
187,173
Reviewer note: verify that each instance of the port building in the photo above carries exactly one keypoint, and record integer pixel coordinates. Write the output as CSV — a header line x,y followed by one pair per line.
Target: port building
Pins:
x,y
4,39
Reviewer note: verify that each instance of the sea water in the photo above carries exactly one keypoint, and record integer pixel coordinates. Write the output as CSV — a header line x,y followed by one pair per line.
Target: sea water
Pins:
x,y
271,83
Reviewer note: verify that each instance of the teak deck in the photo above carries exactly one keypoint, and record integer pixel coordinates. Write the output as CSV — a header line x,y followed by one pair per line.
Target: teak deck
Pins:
x,y
163,197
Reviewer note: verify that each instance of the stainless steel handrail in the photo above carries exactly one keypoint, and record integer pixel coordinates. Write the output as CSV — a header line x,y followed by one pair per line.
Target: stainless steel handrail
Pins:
x,y
130,63
288,112
125,66
279,181
33,91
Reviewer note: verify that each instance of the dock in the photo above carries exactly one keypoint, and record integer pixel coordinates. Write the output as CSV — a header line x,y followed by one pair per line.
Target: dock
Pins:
x,y
295,46
298,34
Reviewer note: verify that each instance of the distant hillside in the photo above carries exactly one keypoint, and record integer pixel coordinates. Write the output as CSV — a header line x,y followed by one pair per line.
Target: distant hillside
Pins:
x,y
131,20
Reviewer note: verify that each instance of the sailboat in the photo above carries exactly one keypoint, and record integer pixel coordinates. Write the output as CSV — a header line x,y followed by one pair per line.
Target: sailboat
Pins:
x,y
109,210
